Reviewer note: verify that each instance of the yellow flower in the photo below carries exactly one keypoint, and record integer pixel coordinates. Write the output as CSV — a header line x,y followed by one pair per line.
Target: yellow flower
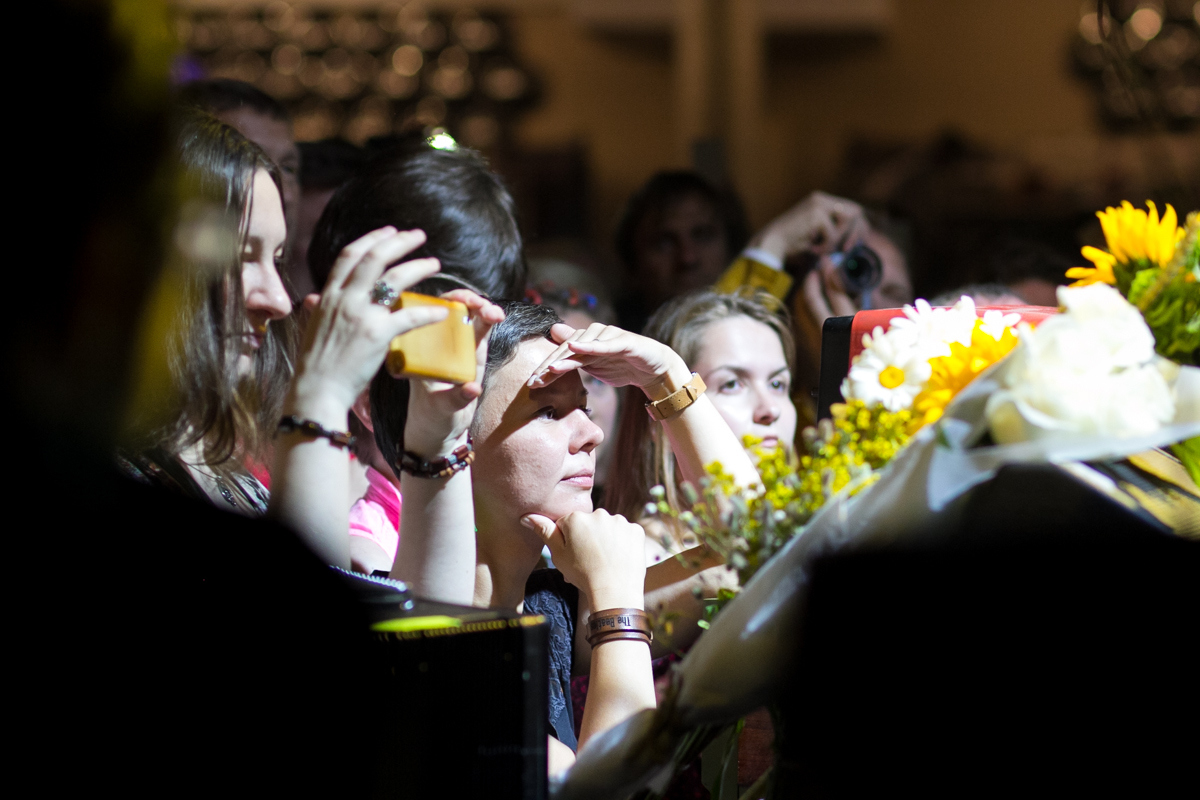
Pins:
x,y
1135,235
1102,273
952,373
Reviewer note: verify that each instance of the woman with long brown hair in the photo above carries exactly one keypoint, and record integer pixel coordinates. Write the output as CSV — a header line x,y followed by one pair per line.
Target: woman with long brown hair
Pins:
x,y
232,337
741,346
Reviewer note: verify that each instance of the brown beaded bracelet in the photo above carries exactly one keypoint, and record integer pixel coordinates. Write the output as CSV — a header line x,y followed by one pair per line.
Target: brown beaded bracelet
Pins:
x,y
420,467
294,424
615,624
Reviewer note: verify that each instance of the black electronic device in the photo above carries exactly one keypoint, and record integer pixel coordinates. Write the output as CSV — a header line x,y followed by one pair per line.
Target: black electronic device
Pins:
x,y
468,700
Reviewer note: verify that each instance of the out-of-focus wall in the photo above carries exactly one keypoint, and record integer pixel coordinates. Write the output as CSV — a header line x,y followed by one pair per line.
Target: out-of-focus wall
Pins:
x,y
997,70
611,93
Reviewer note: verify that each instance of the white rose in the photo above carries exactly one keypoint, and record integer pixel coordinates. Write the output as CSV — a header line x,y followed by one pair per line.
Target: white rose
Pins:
x,y
1090,371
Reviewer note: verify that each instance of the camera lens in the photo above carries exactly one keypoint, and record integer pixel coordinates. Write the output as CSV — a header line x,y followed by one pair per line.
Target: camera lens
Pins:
x,y
861,269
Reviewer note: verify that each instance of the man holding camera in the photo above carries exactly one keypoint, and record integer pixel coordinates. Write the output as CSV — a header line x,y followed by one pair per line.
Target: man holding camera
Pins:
x,y
843,265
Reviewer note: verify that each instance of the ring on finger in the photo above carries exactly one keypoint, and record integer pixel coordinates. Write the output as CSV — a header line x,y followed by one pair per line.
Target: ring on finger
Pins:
x,y
384,294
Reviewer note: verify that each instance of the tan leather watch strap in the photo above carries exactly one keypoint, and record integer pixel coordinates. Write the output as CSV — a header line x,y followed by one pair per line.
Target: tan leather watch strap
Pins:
x,y
677,401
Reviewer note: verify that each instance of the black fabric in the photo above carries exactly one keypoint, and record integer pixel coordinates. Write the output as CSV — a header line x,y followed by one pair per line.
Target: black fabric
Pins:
x,y
163,645
548,593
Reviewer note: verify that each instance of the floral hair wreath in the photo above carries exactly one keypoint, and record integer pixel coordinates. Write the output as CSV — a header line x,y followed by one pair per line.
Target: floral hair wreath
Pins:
x,y
547,292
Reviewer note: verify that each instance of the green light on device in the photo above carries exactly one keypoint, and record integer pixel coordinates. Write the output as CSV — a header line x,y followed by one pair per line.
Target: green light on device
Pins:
x,y
405,624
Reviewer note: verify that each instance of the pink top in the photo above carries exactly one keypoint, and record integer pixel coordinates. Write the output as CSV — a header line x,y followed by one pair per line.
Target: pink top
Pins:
x,y
376,516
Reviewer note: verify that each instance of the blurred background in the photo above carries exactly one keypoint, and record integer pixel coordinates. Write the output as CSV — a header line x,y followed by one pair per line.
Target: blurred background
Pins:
x,y
989,130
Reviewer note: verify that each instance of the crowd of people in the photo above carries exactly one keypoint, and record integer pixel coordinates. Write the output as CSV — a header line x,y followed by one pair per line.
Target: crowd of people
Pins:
x,y
492,492
522,489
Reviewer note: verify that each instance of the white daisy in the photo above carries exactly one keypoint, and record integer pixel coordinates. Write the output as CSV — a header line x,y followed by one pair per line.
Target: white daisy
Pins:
x,y
890,371
930,330
995,321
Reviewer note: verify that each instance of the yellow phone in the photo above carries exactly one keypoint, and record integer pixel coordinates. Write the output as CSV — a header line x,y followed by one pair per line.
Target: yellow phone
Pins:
x,y
443,351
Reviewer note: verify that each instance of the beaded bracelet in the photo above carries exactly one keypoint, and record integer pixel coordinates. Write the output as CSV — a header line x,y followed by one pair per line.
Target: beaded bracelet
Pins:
x,y
294,424
420,467
619,624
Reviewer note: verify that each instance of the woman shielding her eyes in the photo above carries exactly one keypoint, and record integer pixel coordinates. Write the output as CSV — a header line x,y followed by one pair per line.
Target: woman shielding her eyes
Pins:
x,y
476,535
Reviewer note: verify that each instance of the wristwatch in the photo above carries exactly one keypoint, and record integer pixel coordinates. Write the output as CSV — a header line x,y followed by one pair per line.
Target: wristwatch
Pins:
x,y
677,401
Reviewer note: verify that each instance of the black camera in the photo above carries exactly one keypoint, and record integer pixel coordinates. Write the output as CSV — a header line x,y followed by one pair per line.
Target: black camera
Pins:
x,y
860,268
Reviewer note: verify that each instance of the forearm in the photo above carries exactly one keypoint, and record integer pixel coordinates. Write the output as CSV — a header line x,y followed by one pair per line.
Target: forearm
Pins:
x,y
310,480
621,685
436,556
699,436
621,681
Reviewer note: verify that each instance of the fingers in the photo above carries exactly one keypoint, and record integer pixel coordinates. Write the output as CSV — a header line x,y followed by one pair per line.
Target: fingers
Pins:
x,y
839,301
352,253
379,257
815,299
477,305
558,353
542,526
484,313
403,276
310,302
560,332
595,331
407,319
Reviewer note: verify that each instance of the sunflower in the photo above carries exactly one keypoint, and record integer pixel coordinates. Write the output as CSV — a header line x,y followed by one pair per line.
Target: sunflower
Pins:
x,y
1101,273
951,374
1137,238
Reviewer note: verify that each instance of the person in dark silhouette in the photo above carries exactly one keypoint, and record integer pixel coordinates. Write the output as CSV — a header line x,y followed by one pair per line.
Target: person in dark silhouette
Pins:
x,y
155,653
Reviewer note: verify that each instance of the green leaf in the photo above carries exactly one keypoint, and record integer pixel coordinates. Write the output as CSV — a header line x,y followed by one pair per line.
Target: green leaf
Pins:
x,y
1188,451
703,624
1142,281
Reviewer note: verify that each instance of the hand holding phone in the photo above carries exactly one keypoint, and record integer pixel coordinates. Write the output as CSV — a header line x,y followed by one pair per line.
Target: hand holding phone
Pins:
x,y
443,351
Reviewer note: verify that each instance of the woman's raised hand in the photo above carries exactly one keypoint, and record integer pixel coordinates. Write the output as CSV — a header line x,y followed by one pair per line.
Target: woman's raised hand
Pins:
x,y
440,413
347,336
615,356
601,554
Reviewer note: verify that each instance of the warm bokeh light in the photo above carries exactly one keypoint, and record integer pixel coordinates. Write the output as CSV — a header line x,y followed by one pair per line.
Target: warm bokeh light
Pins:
x,y
1089,27
407,60
1146,22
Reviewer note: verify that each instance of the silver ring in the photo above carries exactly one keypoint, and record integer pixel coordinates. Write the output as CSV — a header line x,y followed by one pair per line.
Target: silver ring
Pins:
x,y
383,294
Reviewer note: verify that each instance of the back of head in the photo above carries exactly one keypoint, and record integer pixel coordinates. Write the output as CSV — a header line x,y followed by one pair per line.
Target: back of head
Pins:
x,y
644,456
218,95
389,396
328,164
567,287
463,207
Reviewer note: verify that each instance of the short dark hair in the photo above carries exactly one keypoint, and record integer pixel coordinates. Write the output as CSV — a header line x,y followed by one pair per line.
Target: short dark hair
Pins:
x,y
329,163
523,322
225,94
665,188
464,208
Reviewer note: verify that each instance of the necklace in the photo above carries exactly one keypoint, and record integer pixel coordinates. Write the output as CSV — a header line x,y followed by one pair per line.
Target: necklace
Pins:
x,y
224,490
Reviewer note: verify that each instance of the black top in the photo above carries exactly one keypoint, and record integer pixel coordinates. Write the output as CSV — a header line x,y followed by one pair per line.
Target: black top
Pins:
x,y
171,643
548,593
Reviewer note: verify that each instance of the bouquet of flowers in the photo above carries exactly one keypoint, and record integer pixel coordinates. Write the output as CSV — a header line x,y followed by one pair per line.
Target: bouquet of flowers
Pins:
x,y
934,405
1111,371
